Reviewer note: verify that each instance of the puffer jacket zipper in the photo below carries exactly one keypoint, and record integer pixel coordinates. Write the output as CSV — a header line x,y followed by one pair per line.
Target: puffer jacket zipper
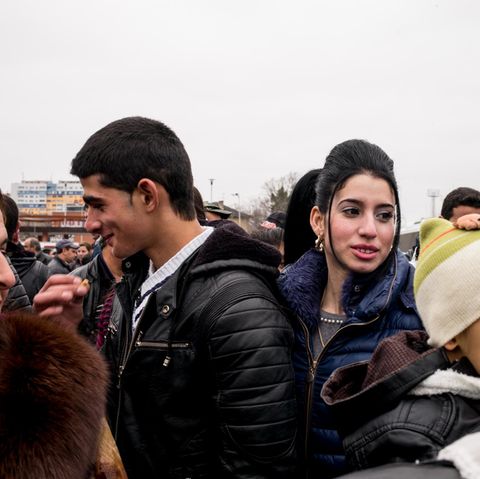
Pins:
x,y
312,371
314,362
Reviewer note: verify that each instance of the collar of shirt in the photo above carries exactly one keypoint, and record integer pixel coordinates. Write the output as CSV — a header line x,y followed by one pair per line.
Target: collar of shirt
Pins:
x,y
157,278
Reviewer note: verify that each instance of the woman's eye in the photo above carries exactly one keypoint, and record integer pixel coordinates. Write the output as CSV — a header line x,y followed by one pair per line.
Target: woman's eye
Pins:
x,y
385,216
351,211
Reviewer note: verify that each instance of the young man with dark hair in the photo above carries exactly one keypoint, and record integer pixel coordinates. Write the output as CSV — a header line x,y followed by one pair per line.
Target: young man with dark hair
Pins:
x,y
459,202
204,382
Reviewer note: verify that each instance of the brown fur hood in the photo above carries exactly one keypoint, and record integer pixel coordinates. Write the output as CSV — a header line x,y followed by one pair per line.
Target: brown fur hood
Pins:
x,y
52,400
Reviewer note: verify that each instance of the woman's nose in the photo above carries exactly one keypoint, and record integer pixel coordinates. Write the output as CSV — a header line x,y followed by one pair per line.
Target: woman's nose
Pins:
x,y
368,227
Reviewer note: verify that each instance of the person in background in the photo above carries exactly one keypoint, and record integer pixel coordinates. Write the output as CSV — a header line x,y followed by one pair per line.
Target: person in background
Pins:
x,y
275,219
298,235
216,215
102,310
84,253
418,398
459,202
34,246
349,292
64,260
14,298
31,272
52,393
199,211
270,234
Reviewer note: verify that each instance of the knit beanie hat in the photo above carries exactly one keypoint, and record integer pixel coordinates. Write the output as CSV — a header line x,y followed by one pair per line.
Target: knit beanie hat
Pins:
x,y
447,279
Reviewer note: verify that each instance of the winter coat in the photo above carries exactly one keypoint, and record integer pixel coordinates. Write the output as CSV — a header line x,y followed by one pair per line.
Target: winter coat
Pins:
x,y
373,312
205,384
100,281
459,460
57,266
17,299
52,393
404,405
32,273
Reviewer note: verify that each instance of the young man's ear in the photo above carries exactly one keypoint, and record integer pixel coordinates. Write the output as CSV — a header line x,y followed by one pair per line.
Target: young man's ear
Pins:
x,y
453,349
148,193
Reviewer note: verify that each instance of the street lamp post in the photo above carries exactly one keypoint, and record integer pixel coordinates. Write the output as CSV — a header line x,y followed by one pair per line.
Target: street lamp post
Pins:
x,y
238,208
211,188
433,194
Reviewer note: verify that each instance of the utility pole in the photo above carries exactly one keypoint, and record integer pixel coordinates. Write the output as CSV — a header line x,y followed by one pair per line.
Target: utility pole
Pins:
x,y
433,194
211,189
238,209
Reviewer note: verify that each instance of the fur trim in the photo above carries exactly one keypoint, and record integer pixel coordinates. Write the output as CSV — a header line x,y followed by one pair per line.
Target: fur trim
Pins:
x,y
52,400
465,455
302,284
230,242
449,381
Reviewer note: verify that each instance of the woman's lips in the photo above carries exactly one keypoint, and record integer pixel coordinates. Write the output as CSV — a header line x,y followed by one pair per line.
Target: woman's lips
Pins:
x,y
365,252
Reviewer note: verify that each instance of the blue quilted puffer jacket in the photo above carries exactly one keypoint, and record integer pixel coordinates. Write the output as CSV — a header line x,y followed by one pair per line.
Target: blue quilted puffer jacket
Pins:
x,y
373,313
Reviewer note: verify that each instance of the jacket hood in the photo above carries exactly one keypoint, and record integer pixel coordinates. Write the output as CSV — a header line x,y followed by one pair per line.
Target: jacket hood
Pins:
x,y
302,285
52,398
227,246
230,245
21,259
398,364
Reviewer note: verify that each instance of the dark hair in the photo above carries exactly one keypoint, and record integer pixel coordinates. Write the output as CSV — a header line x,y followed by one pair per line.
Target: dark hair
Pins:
x,y
130,149
34,243
462,196
271,236
87,245
198,203
298,236
350,158
10,211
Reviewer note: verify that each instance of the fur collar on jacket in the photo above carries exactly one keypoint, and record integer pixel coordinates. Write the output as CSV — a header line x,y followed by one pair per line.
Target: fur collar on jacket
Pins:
x,y
465,455
52,396
228,246
402,364
302,284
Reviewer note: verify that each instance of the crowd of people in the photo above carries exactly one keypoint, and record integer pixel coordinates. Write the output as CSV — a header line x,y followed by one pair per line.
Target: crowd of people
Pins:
x,y
309,347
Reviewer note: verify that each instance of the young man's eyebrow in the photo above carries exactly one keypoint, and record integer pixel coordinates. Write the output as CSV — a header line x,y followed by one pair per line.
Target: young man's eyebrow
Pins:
x,y
88,199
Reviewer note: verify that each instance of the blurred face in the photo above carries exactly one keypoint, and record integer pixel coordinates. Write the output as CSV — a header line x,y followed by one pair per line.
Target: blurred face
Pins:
x,y
459,211
362,225
467,344
82,251
69,255
28,247
7,279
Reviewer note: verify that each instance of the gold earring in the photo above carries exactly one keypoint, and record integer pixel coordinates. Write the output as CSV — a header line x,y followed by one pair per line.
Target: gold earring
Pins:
x,y
319,244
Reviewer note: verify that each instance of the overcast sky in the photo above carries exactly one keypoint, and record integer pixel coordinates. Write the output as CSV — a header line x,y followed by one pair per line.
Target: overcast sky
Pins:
x,y
254,89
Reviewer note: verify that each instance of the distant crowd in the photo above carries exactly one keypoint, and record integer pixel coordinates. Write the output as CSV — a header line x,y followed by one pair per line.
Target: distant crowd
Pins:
x,y
179,345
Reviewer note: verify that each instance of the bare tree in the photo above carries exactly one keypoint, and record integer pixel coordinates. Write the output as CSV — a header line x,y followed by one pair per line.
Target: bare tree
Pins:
x,y
275,197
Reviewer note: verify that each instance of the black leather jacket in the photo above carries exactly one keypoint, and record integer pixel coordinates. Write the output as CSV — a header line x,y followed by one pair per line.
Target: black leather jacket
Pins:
x,y
405,405
100,281
205,386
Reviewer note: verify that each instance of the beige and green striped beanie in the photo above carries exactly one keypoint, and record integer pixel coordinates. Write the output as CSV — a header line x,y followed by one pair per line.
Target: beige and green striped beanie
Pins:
x,y
447,279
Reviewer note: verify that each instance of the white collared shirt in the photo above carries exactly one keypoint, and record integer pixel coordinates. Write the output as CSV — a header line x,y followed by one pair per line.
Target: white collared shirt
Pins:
x,y
156,279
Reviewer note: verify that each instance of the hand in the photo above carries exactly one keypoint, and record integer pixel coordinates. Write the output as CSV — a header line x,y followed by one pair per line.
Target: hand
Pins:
x,y
61,298
468,222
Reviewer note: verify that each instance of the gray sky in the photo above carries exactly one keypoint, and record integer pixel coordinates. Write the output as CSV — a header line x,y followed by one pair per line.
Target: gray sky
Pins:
x,y
255,89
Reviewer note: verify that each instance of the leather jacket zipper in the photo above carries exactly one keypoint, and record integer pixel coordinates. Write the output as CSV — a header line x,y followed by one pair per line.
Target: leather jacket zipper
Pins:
x,y
161,345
